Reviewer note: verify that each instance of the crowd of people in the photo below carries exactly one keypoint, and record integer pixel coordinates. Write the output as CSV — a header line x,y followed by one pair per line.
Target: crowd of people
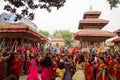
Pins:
x,y
68,64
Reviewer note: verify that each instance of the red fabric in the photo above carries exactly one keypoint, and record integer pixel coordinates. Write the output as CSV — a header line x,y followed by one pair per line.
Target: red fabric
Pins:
x,y
115,72
74,50
118,75
27,64
53,69
18,50
32,51
0,70
15,68
100,67
110,66
89,71
35,50
77,58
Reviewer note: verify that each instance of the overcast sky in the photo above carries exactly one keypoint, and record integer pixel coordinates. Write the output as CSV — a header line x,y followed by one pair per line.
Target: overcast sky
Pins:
x,y
68,16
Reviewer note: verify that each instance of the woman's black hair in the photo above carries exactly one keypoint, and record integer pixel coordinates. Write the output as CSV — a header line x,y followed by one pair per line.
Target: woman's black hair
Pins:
x,y
46,62
61,65
12,57
102,58
91,60
93,55
53,56
5,54
82,59
70,56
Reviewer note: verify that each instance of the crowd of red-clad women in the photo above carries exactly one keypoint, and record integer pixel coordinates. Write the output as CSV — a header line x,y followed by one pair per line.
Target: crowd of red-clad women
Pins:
x,y
38,65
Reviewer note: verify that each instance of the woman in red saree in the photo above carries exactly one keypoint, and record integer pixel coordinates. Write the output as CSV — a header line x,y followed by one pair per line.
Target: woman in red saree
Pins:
x,y
110,65
102,73
115,73
15,68
27,64
54,67
89,71
118,73
0,66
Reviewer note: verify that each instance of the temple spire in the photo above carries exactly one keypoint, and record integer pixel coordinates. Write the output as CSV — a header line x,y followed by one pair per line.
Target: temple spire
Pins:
x,y
91,9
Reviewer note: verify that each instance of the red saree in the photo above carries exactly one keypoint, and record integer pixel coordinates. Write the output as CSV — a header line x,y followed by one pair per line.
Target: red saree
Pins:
x,y
118,75
89,73
15,68
0,69
101,68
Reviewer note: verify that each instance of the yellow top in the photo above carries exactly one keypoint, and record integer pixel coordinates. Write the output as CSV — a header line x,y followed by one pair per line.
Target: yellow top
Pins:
x,y
60,72
98,50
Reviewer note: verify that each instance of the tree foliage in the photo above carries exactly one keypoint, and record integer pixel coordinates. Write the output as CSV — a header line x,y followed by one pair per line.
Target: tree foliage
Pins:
x,y
67,36
27,5
44,33
113,3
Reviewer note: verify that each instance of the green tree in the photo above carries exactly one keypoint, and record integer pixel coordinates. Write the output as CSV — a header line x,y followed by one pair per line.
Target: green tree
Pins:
x,y
67,36
113,3
28,5
44,33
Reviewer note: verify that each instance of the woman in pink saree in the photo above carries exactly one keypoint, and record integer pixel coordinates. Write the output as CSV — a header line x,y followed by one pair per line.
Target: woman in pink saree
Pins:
x,y
46,65
33,70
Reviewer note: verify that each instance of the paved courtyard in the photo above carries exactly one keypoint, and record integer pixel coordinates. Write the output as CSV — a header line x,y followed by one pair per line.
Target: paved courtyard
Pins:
x,y
23,77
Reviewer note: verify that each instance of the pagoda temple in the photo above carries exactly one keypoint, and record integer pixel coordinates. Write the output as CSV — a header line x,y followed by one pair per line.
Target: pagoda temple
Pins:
x,y
90,32
18,33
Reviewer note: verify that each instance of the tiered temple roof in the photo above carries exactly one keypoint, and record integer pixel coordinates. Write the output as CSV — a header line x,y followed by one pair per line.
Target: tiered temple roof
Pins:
x,y
90,13
92,22
18,29
90,27
95,33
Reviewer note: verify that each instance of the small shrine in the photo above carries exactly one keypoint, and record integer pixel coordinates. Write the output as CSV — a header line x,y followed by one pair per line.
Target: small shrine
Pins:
x,y
58,41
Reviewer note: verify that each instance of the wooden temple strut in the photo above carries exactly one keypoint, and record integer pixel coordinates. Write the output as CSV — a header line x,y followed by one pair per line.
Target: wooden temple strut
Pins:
x,y
2,42
14,44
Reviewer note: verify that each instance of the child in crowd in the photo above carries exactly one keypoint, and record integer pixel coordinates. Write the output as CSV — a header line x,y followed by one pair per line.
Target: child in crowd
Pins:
x,y
60,71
